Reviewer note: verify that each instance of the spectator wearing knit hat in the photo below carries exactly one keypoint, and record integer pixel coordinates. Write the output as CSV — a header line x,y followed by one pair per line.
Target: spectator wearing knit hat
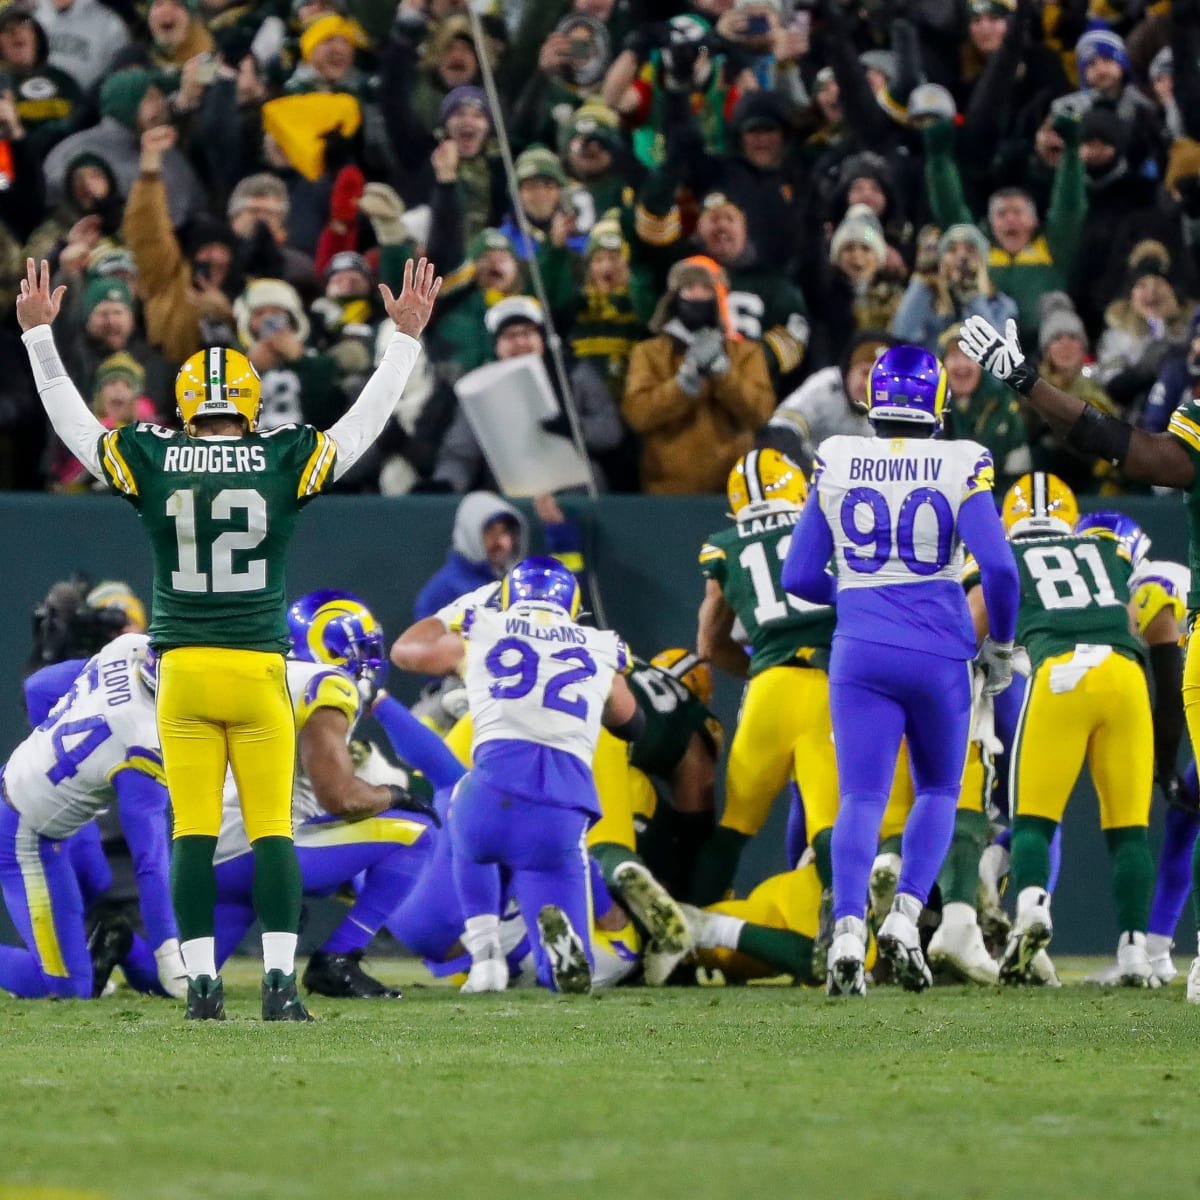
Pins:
x,y
327,50
346,317
85,36
541,181
698,390
595,157
960,288
861,292
49,102
130,102
517,326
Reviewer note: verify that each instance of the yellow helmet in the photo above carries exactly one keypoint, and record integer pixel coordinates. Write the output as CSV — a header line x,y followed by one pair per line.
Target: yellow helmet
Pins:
x,y
218,383
1039,503
764,477
692,671
118,596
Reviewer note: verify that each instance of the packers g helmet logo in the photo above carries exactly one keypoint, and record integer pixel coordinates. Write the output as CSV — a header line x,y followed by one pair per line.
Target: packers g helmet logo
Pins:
x,y
764,477
218,382
1039,502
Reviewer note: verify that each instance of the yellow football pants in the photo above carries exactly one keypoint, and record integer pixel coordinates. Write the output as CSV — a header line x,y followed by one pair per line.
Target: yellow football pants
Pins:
x,y
1191,693
1106,719
971,796
222,708
783,730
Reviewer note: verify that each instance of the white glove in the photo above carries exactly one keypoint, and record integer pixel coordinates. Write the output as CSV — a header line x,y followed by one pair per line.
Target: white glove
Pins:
x,y
995,659
998,353
384,209
983,718
172,974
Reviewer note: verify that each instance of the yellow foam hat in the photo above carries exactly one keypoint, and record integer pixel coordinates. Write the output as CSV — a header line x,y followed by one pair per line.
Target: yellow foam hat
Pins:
x,y
332,26
298,124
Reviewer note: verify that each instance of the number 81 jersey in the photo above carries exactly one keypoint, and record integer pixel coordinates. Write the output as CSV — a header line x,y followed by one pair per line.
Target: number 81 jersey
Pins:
x,y
220,513
534,675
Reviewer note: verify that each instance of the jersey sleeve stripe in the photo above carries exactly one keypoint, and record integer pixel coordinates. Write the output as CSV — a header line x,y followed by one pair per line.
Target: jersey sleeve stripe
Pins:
x,y
316,470
709,552
1185,429
116,467
149,762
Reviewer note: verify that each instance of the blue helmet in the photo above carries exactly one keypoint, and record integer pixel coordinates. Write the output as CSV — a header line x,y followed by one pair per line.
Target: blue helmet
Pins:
x,y
337,628
907,383
542,579
1132,542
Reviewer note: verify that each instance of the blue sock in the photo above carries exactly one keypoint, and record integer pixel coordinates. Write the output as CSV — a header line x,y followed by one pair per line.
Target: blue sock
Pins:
x,y
1174,870
1055,860
855,840
926,839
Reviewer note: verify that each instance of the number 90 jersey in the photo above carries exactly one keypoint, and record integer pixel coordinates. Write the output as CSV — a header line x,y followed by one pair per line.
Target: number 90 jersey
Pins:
x,y
62,774
534,675
220,514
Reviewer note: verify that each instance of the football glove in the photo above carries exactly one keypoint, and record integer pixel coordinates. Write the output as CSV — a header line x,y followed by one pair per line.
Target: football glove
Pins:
x,y
416,798
995,659
172,974
998,353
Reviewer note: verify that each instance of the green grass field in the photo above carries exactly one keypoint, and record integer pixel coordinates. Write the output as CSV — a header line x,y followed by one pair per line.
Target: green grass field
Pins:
x,y
759,1091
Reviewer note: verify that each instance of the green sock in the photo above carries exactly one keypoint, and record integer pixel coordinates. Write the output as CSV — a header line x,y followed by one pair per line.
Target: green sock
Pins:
x,y
782,949
716,865
1133,875
891,845
1030,866
278,888
610,855
959,877
821,845
193,885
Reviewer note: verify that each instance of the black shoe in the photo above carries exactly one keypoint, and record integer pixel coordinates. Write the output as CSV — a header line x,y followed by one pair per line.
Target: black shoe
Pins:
x,y
342,976
205,999
279,999
109,943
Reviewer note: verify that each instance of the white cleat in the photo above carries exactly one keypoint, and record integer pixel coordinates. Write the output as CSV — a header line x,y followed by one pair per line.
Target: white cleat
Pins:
x,y
487,975
845,972
885,874
1042,972
568,959
993,920
1030,934
900,943
1133,963
1193,982
654,907
1159,949
957,946
701,927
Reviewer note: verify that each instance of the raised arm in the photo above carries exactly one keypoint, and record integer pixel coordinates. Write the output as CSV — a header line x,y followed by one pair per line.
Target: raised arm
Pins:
x,y
73,420
363,422
1158,458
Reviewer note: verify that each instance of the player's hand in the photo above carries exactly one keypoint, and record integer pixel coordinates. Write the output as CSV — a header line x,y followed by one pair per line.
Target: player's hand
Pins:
x,y
996,661
998,353
416,798
37,304
172,974
411,310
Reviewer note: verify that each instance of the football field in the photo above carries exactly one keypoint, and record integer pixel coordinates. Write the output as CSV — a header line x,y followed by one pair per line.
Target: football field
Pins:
x,y
704,1092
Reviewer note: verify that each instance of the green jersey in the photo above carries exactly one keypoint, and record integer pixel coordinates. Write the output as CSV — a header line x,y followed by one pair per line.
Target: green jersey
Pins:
x,y
1185,425
673,714
220,513
1074,591
747,563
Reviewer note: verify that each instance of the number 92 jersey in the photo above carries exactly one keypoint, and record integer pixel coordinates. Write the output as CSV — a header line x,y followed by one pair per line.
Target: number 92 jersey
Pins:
x,y
62,774
534,675
220,513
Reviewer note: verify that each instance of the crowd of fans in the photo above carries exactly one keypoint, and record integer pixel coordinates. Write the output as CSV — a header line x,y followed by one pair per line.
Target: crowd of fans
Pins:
x,y
733,206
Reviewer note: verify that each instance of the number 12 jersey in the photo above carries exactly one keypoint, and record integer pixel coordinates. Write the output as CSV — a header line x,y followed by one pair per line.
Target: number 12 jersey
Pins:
x,y
220,512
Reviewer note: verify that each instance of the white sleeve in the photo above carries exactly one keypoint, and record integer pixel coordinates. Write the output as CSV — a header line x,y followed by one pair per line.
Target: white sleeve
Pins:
x,y
358,428
73,421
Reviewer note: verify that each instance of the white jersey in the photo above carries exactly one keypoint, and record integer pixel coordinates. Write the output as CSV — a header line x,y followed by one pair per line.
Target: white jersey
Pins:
x,y
892,506
534,675
62,774
819,409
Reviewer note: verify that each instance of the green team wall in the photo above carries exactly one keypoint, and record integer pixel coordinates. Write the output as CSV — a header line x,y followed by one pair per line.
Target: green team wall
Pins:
x,y
643,551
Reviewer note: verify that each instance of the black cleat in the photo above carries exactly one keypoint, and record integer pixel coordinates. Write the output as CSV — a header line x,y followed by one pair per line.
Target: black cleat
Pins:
x,y
205,999
280,1001
342,976
109,943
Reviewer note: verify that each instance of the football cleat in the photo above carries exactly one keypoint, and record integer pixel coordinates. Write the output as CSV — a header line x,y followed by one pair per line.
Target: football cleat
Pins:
x,y
1133,962
568,959
846,972
993,920
1159,948
1042,972
280,1000
486,975
957,946
660,914
1193,982
885,874
205,999
342,976
109,943
824,938
1031,933
900,943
